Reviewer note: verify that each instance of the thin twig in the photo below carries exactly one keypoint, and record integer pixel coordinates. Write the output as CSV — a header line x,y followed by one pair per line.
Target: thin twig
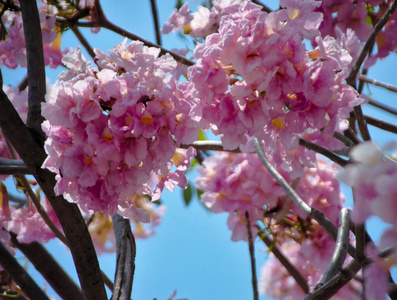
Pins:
x,y
209,145
318,149
40,209
83,41
112,27
351,80
360,232
294,272
35,64
49,268
126,251
336,283
340,251
381,124
12,167
315,214
252,257
381,106
375,82
156,21
362,123
19,274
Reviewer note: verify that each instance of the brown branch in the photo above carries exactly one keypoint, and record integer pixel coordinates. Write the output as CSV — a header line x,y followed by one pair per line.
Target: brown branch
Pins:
x,y
83,41
156,21
209,146
340,250
294,272
351,80
21,277
381,124
252,258
49,268
362,123
126,251
381,106
318,149
375,82
35,63
69,215
105,23
12,167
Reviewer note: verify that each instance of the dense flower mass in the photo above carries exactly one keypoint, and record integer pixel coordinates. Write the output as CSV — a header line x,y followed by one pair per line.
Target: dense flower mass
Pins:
x,y
113,131
238,183
13,50
255,78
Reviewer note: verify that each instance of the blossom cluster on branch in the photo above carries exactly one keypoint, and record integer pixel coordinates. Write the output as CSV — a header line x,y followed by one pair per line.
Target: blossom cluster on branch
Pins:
x,y
118,131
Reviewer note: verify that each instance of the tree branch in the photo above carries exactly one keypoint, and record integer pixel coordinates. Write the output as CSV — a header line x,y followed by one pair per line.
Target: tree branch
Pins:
x,y
12,167
156,21
294,272
35,60
83,41
380,105
351,80
126,251
318,149
252,257
21,277
381,124
49,268
340,251
315,214
69,215
375,82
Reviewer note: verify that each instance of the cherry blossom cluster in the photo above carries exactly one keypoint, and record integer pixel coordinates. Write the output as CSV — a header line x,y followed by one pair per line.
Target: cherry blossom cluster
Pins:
x,y
372,176
255,78
238,183
360,16
113,130
13,50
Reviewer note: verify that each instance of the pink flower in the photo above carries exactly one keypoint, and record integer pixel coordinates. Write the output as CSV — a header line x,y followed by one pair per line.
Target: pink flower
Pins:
x,y
110,130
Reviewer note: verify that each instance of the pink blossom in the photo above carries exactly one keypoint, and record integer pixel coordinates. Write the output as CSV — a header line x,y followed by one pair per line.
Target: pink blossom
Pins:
x,y
254,78
372,177
111,130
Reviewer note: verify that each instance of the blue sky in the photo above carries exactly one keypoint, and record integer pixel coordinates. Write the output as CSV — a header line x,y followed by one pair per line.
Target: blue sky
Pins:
x,y
191,251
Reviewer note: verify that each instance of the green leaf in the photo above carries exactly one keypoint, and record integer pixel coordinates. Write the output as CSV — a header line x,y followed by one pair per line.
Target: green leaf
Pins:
x,y
187,194
201,136
179,4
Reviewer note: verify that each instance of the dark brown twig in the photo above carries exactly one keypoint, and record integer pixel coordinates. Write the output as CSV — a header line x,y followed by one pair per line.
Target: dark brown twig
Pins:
x,y
156,21
252,258
83,41
318,149
381,106
294,272
49,268
351,80
21,277
35,63
381,124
